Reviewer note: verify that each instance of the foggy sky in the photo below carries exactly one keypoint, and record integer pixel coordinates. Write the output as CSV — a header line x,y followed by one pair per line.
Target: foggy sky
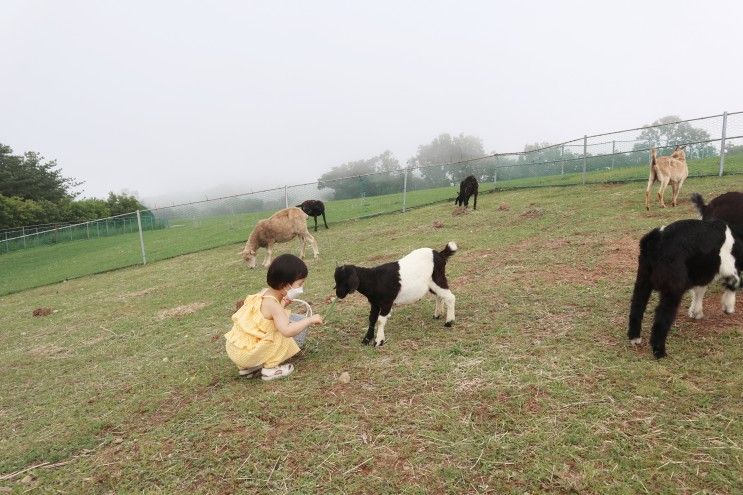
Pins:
x,y
178,99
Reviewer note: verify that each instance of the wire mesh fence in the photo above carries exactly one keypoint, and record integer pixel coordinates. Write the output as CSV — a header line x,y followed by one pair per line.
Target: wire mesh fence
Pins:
x,y
31,256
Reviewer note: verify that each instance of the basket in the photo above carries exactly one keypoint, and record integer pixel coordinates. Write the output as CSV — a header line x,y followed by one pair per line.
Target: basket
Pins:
x,y
301,337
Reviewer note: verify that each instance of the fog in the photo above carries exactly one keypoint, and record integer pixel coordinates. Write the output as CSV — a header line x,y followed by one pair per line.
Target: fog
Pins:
x,y
179,101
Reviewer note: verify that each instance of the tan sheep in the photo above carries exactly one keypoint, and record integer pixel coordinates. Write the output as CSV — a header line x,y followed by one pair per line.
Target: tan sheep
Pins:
x,y
282,226
667,169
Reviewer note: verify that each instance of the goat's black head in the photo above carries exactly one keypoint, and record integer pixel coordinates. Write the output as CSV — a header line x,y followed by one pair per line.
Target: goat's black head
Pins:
x,y
346,280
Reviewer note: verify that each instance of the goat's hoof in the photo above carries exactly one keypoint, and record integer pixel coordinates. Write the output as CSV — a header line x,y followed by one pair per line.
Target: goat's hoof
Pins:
x,y
366,341
728,311
449,323
436,317
696,315
659,353
636,341
378,343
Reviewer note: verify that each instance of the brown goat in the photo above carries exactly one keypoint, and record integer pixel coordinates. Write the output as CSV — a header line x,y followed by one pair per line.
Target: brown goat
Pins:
x,y
667,169
282,226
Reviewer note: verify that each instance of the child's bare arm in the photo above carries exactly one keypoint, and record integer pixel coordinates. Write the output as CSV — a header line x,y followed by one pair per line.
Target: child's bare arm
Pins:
x,y
283,325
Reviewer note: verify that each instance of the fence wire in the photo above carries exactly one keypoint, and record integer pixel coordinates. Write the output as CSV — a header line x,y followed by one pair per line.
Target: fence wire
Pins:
x,y
31,256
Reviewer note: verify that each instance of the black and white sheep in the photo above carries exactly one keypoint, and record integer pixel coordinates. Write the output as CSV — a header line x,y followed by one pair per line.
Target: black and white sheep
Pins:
x,y
400,282
685,255
467,188
727,207
314,208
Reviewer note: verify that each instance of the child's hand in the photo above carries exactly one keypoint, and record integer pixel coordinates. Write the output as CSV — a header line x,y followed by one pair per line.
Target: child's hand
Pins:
x,y
285,302
316,320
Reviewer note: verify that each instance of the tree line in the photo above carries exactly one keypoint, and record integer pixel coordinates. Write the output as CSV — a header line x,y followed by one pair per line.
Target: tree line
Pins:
x,y
447,159
34,191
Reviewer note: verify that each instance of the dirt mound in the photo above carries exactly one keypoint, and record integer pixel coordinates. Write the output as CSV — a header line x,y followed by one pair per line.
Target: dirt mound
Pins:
x,y
181,310
42,311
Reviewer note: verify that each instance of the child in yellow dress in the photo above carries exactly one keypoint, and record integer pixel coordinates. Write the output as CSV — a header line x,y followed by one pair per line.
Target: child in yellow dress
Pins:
x,y
262,335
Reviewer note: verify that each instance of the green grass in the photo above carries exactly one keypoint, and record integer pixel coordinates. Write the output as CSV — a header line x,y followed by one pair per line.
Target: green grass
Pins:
x,y
533,390
28,268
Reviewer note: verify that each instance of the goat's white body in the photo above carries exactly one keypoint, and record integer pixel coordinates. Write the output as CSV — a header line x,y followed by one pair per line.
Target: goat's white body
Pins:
x,y
727,270
415,275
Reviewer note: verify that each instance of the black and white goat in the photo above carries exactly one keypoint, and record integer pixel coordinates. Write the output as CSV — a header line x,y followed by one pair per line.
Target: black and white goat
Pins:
x,y
727,207
314,208
401,282
467,188
685,255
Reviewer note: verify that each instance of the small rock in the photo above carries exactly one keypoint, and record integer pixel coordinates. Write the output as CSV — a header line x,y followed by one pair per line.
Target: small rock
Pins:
x,y
27,479
118,440
344,378
165,360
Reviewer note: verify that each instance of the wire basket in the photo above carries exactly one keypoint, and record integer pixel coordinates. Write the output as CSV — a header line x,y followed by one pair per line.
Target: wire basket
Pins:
x,y
301,337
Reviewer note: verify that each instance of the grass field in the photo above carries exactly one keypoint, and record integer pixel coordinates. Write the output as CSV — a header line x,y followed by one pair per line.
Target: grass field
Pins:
x,y
28,268
126,387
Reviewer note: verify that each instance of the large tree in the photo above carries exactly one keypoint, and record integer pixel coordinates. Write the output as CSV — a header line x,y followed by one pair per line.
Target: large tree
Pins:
x,y
669,131
373,176
28,176
439,160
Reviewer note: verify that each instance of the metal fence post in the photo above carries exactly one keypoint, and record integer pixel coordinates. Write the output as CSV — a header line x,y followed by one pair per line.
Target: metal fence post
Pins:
x,y
495,171
585,152
562,161
87,229
141,238
286,197
23,232
613,150
722,142
7,244
405,189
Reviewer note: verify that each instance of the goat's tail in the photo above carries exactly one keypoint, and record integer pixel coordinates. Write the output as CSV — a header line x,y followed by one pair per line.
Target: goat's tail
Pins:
x,y
653,157
698,201
449,249
649,245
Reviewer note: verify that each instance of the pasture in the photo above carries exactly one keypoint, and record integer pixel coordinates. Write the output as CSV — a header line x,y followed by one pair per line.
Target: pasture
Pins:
x,y
126,387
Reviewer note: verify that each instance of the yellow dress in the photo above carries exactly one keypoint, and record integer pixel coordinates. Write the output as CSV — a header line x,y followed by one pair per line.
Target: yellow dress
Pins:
x,y
254,339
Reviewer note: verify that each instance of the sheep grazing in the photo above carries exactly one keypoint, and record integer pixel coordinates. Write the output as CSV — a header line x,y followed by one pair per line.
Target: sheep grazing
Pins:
x,y
467,188
314,208
400,282
667,169
727,207
282,226
688,254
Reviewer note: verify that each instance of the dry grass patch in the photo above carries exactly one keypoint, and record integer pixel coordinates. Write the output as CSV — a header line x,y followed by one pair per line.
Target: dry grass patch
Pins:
x,y
181,310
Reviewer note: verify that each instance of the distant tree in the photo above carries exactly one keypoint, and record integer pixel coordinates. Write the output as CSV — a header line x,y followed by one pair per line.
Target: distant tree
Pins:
x,y
373,176
434,159
119,204
29,177
669,131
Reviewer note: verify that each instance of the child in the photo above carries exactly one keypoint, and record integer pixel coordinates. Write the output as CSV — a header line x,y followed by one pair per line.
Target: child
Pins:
x,y
262,337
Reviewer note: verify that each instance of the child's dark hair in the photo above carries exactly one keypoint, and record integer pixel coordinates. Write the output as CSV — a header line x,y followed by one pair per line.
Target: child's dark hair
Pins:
x,y
285,269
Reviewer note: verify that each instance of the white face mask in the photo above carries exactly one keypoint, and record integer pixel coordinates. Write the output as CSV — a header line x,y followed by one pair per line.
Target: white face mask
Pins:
x,y
294,292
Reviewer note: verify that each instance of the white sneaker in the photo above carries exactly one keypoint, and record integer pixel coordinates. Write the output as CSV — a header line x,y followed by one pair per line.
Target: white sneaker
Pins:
x,y
250,372
277,372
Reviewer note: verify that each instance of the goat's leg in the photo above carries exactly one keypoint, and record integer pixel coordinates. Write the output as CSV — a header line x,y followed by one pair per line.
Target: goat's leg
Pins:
x,y
269,252
651,181
373,317
662,192
696,311
315,217
323,220
437,308
640,297
384,314
313,245
665,314
728,301
302,242
475,206
448,300
678,190
675,194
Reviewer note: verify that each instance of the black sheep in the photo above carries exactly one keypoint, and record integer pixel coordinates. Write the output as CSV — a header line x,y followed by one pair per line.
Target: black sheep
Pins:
x,y
688,254
727,207
314,208
467,188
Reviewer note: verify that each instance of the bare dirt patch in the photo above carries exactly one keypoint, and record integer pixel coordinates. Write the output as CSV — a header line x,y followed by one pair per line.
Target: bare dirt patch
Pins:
x,y
459,211
532,213
47,351
504,207
181,310
138,293
42,311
